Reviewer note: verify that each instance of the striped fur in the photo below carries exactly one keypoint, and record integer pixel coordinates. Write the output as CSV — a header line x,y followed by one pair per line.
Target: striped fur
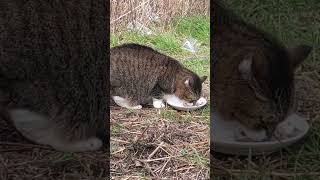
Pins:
x,y
138,73
53,80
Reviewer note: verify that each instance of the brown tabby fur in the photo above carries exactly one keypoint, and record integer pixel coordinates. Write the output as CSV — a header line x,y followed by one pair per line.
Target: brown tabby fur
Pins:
x,y
263,100
138,73
53,63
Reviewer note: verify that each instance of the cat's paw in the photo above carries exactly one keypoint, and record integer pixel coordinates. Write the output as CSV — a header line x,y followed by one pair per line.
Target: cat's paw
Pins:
x,y
248,135
158,103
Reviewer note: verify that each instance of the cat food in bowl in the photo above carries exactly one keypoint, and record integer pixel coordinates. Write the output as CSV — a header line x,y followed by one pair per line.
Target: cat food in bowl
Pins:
x,y
224,138
182,105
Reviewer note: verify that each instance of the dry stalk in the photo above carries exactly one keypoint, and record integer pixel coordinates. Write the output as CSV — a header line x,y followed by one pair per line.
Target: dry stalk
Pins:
x,y
124,12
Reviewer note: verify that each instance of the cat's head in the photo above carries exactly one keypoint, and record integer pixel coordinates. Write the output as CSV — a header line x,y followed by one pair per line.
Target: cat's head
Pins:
x,y
266,83
189,87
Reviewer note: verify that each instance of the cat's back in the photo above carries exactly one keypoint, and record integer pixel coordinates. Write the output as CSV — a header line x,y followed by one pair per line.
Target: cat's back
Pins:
x,y
132,51
143,57
139,66
132,46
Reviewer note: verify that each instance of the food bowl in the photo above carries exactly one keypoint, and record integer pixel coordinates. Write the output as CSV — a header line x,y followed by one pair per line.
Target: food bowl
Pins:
x,y
182,105
223,141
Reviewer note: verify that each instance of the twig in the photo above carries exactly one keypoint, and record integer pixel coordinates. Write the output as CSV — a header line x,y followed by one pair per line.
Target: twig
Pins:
x,y
159,159
122,149
142,133
192,144
119,140
182,169
165,164
159,146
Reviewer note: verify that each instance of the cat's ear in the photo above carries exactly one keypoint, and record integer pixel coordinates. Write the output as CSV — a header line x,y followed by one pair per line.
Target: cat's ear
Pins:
x,y
298,54
203,78
245,67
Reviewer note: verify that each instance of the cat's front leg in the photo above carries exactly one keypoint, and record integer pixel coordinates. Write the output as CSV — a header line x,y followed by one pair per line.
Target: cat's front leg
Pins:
x,y
158,103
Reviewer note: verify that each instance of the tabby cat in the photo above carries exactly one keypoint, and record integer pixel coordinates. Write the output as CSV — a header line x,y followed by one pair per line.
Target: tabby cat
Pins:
x,y
53,72
252,74
139,75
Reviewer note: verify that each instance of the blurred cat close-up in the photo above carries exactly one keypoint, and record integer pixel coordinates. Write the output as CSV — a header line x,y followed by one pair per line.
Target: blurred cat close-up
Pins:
x,y
49,91
54,118
265,90
252,74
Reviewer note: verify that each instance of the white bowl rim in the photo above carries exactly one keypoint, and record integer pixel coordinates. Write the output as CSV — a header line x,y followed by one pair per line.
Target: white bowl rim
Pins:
x,y
270,146
189,107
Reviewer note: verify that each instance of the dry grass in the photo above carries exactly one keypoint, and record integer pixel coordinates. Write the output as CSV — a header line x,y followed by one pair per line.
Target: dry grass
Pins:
x,y
126,11
152,143
155,147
